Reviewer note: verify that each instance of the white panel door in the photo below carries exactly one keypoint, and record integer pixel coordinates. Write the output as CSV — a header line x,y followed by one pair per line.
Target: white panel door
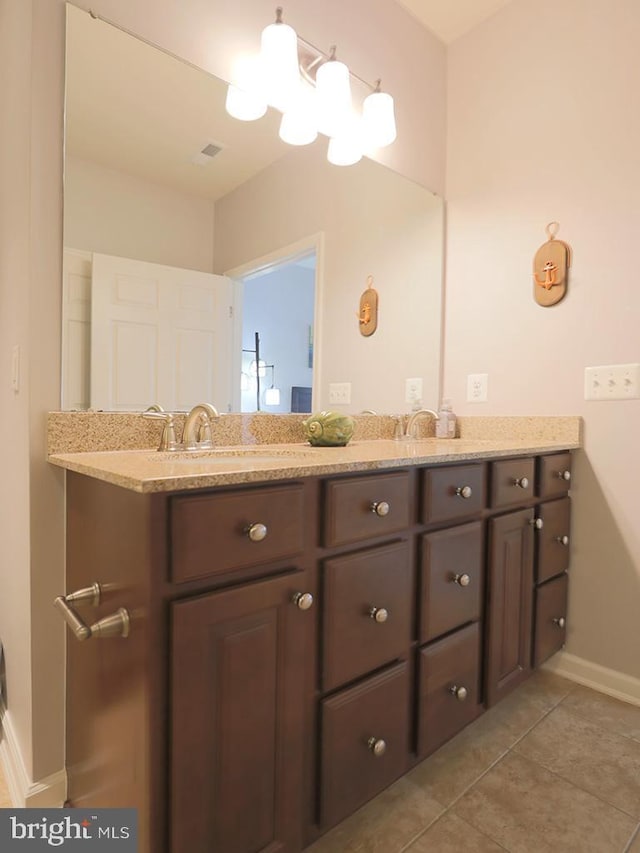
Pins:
x,y
76,320
158,335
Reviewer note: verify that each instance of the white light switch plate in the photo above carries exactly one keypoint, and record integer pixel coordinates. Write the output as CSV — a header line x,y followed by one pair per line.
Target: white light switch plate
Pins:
x,y
340,392
612,382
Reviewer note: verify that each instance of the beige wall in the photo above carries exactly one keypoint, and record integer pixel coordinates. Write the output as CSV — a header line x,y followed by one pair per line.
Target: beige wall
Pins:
x,y
373,222
376,37
118,214
544,124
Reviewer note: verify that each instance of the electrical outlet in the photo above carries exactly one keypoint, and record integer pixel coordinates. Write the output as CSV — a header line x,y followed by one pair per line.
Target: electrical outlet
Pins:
x,y
413,390
612,382
340,392
477,387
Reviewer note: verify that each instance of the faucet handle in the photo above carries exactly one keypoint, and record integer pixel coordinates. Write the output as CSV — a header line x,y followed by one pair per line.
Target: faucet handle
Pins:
x,y
168,439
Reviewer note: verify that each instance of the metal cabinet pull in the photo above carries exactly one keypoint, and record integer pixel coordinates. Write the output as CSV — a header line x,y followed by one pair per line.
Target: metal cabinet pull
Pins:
x,y
256,532
559,622
460,693
538,523
302,600
464,492
379,614
564,475
377,746
380,508
562,540
115,625
522,482
462,580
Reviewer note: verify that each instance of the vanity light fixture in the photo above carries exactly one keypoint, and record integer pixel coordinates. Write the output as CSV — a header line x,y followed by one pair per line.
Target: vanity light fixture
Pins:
x,y
312,90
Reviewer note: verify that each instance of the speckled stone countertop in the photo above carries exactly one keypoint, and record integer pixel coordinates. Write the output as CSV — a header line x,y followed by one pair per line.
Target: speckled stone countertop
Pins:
x,y
148,470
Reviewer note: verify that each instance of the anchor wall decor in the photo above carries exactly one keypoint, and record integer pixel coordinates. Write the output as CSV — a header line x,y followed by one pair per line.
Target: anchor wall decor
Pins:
x,y
551,269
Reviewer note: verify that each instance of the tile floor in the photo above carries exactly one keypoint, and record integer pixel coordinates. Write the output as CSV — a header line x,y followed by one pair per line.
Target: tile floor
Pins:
x,y
554,766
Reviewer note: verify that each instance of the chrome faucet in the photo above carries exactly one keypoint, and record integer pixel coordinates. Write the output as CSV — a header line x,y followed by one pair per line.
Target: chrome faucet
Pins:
x,y
196,434
410,431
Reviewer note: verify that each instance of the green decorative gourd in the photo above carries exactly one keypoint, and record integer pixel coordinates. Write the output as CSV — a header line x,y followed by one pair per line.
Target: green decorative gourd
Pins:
x,y
328,429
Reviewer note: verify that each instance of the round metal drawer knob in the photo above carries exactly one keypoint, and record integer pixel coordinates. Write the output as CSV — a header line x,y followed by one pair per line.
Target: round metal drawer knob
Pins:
x,y
380,508
523,482
460,693
462,580
538,523
377,746
562,540
464,491
564,475
561,622
379,614
256,532
302,600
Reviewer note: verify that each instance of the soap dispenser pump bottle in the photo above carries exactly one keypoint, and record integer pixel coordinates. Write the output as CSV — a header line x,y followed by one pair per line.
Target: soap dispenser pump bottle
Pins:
x,y
446,423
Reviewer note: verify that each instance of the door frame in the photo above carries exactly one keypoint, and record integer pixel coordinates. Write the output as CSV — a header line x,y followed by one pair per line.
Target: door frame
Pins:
x,y
278,257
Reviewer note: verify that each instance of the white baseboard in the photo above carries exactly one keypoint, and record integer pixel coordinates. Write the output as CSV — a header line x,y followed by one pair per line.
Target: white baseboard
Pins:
x,y
609,681
48,793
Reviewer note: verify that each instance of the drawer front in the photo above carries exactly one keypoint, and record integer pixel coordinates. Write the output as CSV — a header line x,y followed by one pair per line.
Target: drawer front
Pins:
x,y
554,475
553,539
210,534
512,482
550,618
364,507
449,673
451,492
451,579
367,612
364,742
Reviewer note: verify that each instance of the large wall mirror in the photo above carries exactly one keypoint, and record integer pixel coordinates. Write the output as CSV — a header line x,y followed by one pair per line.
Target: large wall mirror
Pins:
x,y
189,236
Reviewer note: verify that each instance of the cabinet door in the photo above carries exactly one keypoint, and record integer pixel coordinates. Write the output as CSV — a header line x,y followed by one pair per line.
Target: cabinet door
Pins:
x,y
551,619
509,603
553,539
238,718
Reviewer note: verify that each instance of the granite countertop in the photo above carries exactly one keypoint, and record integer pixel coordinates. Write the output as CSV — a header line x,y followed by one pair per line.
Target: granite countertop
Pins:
x,y
152,471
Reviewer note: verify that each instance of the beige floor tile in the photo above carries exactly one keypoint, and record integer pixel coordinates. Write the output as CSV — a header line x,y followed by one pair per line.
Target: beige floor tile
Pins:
x,y
619,717
447,773
634,847
385,825
593,758
451,834
527,809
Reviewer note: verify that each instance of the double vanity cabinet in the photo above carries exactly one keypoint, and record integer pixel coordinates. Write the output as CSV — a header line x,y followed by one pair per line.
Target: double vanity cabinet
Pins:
x,y
295,646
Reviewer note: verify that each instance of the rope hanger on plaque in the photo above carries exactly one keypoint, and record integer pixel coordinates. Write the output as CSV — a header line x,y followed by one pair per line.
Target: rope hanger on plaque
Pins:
x,y
368,313
551,268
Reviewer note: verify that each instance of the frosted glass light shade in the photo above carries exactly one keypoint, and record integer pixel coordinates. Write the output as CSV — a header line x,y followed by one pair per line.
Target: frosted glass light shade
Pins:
x,y
347,148
279,60
333,93
272,397
243,105
258,368
299,125
378,119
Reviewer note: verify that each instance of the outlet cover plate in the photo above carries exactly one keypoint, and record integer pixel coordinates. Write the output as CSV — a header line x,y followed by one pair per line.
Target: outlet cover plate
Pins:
x,y
413,390
477,387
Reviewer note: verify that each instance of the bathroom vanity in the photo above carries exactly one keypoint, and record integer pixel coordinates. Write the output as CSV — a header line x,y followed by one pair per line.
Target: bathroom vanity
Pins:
x,y
302,635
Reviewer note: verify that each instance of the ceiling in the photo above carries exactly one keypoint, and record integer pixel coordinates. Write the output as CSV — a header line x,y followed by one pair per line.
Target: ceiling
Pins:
x,y
450,19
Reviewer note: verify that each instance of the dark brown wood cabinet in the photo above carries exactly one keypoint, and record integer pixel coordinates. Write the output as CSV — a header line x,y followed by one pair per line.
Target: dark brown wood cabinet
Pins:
x,y
297,646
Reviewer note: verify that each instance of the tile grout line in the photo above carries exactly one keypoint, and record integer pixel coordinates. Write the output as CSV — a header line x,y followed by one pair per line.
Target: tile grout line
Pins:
x,y
635,834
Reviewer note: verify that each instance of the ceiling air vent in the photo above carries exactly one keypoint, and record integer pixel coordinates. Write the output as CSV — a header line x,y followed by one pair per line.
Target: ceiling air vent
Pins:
x,y
207,154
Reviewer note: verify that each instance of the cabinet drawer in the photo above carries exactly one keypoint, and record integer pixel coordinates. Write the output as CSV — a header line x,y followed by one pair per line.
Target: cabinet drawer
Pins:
x,y
451,579
554,475
364,507
452,492
364,742
449,673
512,482
550,619
367,612
553,539
210,533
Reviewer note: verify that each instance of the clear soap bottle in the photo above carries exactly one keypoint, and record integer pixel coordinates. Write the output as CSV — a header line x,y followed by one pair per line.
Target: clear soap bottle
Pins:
x,y
446,423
